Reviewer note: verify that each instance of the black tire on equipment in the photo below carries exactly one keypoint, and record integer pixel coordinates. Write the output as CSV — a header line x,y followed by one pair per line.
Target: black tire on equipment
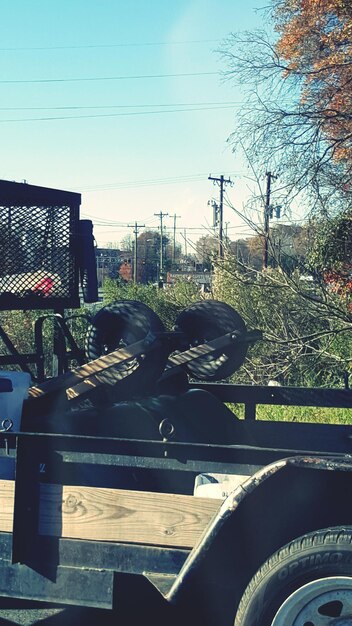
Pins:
x,y
206,320
121,324
318,555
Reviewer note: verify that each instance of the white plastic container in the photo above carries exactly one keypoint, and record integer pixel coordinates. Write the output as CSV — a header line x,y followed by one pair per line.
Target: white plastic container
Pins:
x,y
11,402
217,486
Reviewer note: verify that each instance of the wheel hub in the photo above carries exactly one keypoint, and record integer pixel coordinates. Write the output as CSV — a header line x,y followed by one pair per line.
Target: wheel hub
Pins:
x,y
323,602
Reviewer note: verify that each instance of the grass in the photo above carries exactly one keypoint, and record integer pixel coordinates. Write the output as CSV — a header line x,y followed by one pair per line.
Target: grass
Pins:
x,y
318,415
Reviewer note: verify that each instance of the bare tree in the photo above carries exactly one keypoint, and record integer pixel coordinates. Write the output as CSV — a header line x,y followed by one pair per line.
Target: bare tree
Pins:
x,y
278,129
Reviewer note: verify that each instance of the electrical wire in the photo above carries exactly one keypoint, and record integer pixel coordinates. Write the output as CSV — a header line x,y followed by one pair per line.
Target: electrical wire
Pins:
x,y
105,115
120,106
111,45
172,180
102,78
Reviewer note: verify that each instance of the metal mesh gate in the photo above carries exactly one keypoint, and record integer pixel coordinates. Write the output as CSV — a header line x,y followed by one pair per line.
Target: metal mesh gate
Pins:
x,y
39,247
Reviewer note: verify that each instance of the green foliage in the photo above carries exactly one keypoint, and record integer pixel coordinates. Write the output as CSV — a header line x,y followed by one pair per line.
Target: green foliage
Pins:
x,y
331,248
317,415
307,330
166,303
19,327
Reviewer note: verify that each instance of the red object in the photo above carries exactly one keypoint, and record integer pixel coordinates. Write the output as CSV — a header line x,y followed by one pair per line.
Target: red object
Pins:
x,y
45,286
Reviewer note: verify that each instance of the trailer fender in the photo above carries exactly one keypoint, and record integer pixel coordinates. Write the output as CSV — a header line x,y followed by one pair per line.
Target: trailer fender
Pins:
x,y
279,503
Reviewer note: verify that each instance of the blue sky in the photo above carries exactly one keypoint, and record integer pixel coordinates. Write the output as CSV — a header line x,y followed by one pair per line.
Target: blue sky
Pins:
x,y
119,144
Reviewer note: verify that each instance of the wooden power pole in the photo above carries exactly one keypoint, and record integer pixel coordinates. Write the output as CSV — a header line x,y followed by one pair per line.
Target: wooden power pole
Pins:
x,y
269,178
135,260
161,215
221,181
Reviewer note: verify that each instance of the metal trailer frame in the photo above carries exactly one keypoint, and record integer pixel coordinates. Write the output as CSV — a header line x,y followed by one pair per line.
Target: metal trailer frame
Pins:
x,y
277,456
24,203
45,225
311,463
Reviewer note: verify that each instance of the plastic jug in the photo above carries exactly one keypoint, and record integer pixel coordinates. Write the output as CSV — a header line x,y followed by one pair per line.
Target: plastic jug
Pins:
x,y
11,402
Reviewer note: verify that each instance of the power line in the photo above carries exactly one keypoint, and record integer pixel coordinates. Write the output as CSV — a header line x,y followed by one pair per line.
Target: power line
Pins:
x,y
102,115
171,180
77,107
181,178
101,78
111,45
120,106
194,229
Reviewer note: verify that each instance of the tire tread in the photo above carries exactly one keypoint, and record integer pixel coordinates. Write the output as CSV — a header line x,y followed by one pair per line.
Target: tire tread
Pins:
x,y
338,536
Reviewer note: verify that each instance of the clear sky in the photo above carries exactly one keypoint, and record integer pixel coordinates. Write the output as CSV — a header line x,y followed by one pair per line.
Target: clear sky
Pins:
x,y
92,100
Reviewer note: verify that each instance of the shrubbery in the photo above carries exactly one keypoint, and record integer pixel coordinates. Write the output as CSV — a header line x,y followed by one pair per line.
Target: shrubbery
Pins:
x,y
167,303
307,329
19,328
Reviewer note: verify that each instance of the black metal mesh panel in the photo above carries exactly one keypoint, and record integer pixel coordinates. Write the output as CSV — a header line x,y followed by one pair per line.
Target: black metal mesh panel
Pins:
x,y
38,265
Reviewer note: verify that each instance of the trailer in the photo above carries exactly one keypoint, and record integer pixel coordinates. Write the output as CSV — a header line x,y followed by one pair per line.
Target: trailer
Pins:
x,y
130,475
133,468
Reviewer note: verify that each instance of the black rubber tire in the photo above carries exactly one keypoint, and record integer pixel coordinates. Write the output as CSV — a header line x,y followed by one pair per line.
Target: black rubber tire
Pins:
x,y
314,556
121,324
206,320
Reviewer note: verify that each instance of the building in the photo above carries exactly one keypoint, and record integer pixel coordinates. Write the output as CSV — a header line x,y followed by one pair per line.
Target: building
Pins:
x,y
113,263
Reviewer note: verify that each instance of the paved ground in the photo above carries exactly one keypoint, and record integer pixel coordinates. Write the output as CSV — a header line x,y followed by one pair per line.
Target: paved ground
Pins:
x,y
134,610
31,616
137,602
12,613
17,614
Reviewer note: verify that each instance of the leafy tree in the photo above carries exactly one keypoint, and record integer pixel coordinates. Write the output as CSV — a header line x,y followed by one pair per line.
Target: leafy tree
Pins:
x,y
255,251
331,248
288,247
148,243
206,250
331,254
316,43
297,118
239,248
127,243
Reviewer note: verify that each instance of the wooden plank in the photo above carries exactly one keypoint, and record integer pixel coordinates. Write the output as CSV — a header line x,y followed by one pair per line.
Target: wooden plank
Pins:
x,y
7,500
105,370
125,516
96,513
102,371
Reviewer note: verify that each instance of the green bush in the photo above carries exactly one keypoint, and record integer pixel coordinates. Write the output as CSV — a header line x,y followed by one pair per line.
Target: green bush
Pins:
x,y
307,334
307,331
19,328
166,303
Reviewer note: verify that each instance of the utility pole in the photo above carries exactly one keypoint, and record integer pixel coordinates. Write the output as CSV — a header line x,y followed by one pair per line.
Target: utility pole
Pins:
x,y
185,240
221,182
161,215
269,178
136,226
174,241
